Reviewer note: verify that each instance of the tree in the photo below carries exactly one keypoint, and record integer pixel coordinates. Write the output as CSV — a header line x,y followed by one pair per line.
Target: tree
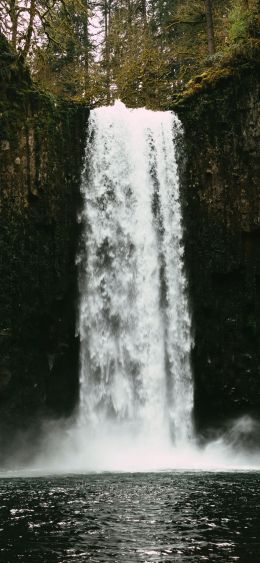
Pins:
x,y
30,28
139,50
17,23
210,27
63,58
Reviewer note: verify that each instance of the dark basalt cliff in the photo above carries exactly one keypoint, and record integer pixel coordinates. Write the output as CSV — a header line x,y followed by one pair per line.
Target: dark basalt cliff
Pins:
x,y
41,149
221,202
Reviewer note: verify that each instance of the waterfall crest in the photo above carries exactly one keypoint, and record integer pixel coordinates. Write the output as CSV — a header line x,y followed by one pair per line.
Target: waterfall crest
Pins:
x,y
134,322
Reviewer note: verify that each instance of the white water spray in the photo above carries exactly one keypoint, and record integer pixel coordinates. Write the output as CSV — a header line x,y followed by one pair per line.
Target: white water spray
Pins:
x,y
136,392
134,322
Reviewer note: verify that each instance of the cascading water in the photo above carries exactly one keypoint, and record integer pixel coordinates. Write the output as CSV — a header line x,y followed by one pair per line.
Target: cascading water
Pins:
x,y
134,321
136,392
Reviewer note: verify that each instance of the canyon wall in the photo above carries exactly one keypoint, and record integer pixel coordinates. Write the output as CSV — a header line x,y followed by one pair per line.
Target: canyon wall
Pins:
x,y
221,203
41,148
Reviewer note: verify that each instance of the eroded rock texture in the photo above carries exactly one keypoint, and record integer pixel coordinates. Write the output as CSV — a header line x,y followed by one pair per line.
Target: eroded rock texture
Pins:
x,y
222,220
41,148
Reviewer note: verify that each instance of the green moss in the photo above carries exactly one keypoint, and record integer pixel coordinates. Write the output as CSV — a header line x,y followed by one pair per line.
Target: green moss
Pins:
x,y
219,112
225,68
43,140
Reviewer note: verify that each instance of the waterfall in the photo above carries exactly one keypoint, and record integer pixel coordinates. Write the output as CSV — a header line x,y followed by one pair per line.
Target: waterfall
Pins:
x,y
134,322
136,389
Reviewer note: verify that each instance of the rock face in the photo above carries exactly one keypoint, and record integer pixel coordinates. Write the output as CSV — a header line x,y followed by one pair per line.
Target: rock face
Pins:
x,y
221,204
41,149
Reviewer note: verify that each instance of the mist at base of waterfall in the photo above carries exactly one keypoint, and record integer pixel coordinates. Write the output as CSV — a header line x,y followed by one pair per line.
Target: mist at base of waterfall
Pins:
x,y
73,449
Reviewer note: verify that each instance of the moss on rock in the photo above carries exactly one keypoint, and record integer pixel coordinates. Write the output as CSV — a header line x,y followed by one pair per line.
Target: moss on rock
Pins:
x,y
221,208
41,149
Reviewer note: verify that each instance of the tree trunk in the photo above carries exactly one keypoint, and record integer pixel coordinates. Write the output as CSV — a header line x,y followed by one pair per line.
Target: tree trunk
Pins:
x,y
210,27
86,52
14,20
144,11
107,50
28,37
129,13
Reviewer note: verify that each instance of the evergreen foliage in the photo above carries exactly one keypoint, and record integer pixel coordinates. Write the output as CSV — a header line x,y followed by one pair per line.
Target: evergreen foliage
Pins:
x,y
141,51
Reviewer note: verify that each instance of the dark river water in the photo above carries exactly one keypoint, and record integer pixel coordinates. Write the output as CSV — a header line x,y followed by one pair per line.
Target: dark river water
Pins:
x,y
122,517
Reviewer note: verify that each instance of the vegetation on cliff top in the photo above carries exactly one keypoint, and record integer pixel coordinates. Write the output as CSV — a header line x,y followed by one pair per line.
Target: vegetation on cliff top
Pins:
x,y
225,67
141,51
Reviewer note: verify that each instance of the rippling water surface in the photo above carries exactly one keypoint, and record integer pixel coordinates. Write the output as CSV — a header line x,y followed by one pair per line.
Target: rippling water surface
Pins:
x,y
131,517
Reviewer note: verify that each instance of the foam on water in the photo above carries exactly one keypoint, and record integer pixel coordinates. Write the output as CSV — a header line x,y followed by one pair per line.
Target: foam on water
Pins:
x,y
115,449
